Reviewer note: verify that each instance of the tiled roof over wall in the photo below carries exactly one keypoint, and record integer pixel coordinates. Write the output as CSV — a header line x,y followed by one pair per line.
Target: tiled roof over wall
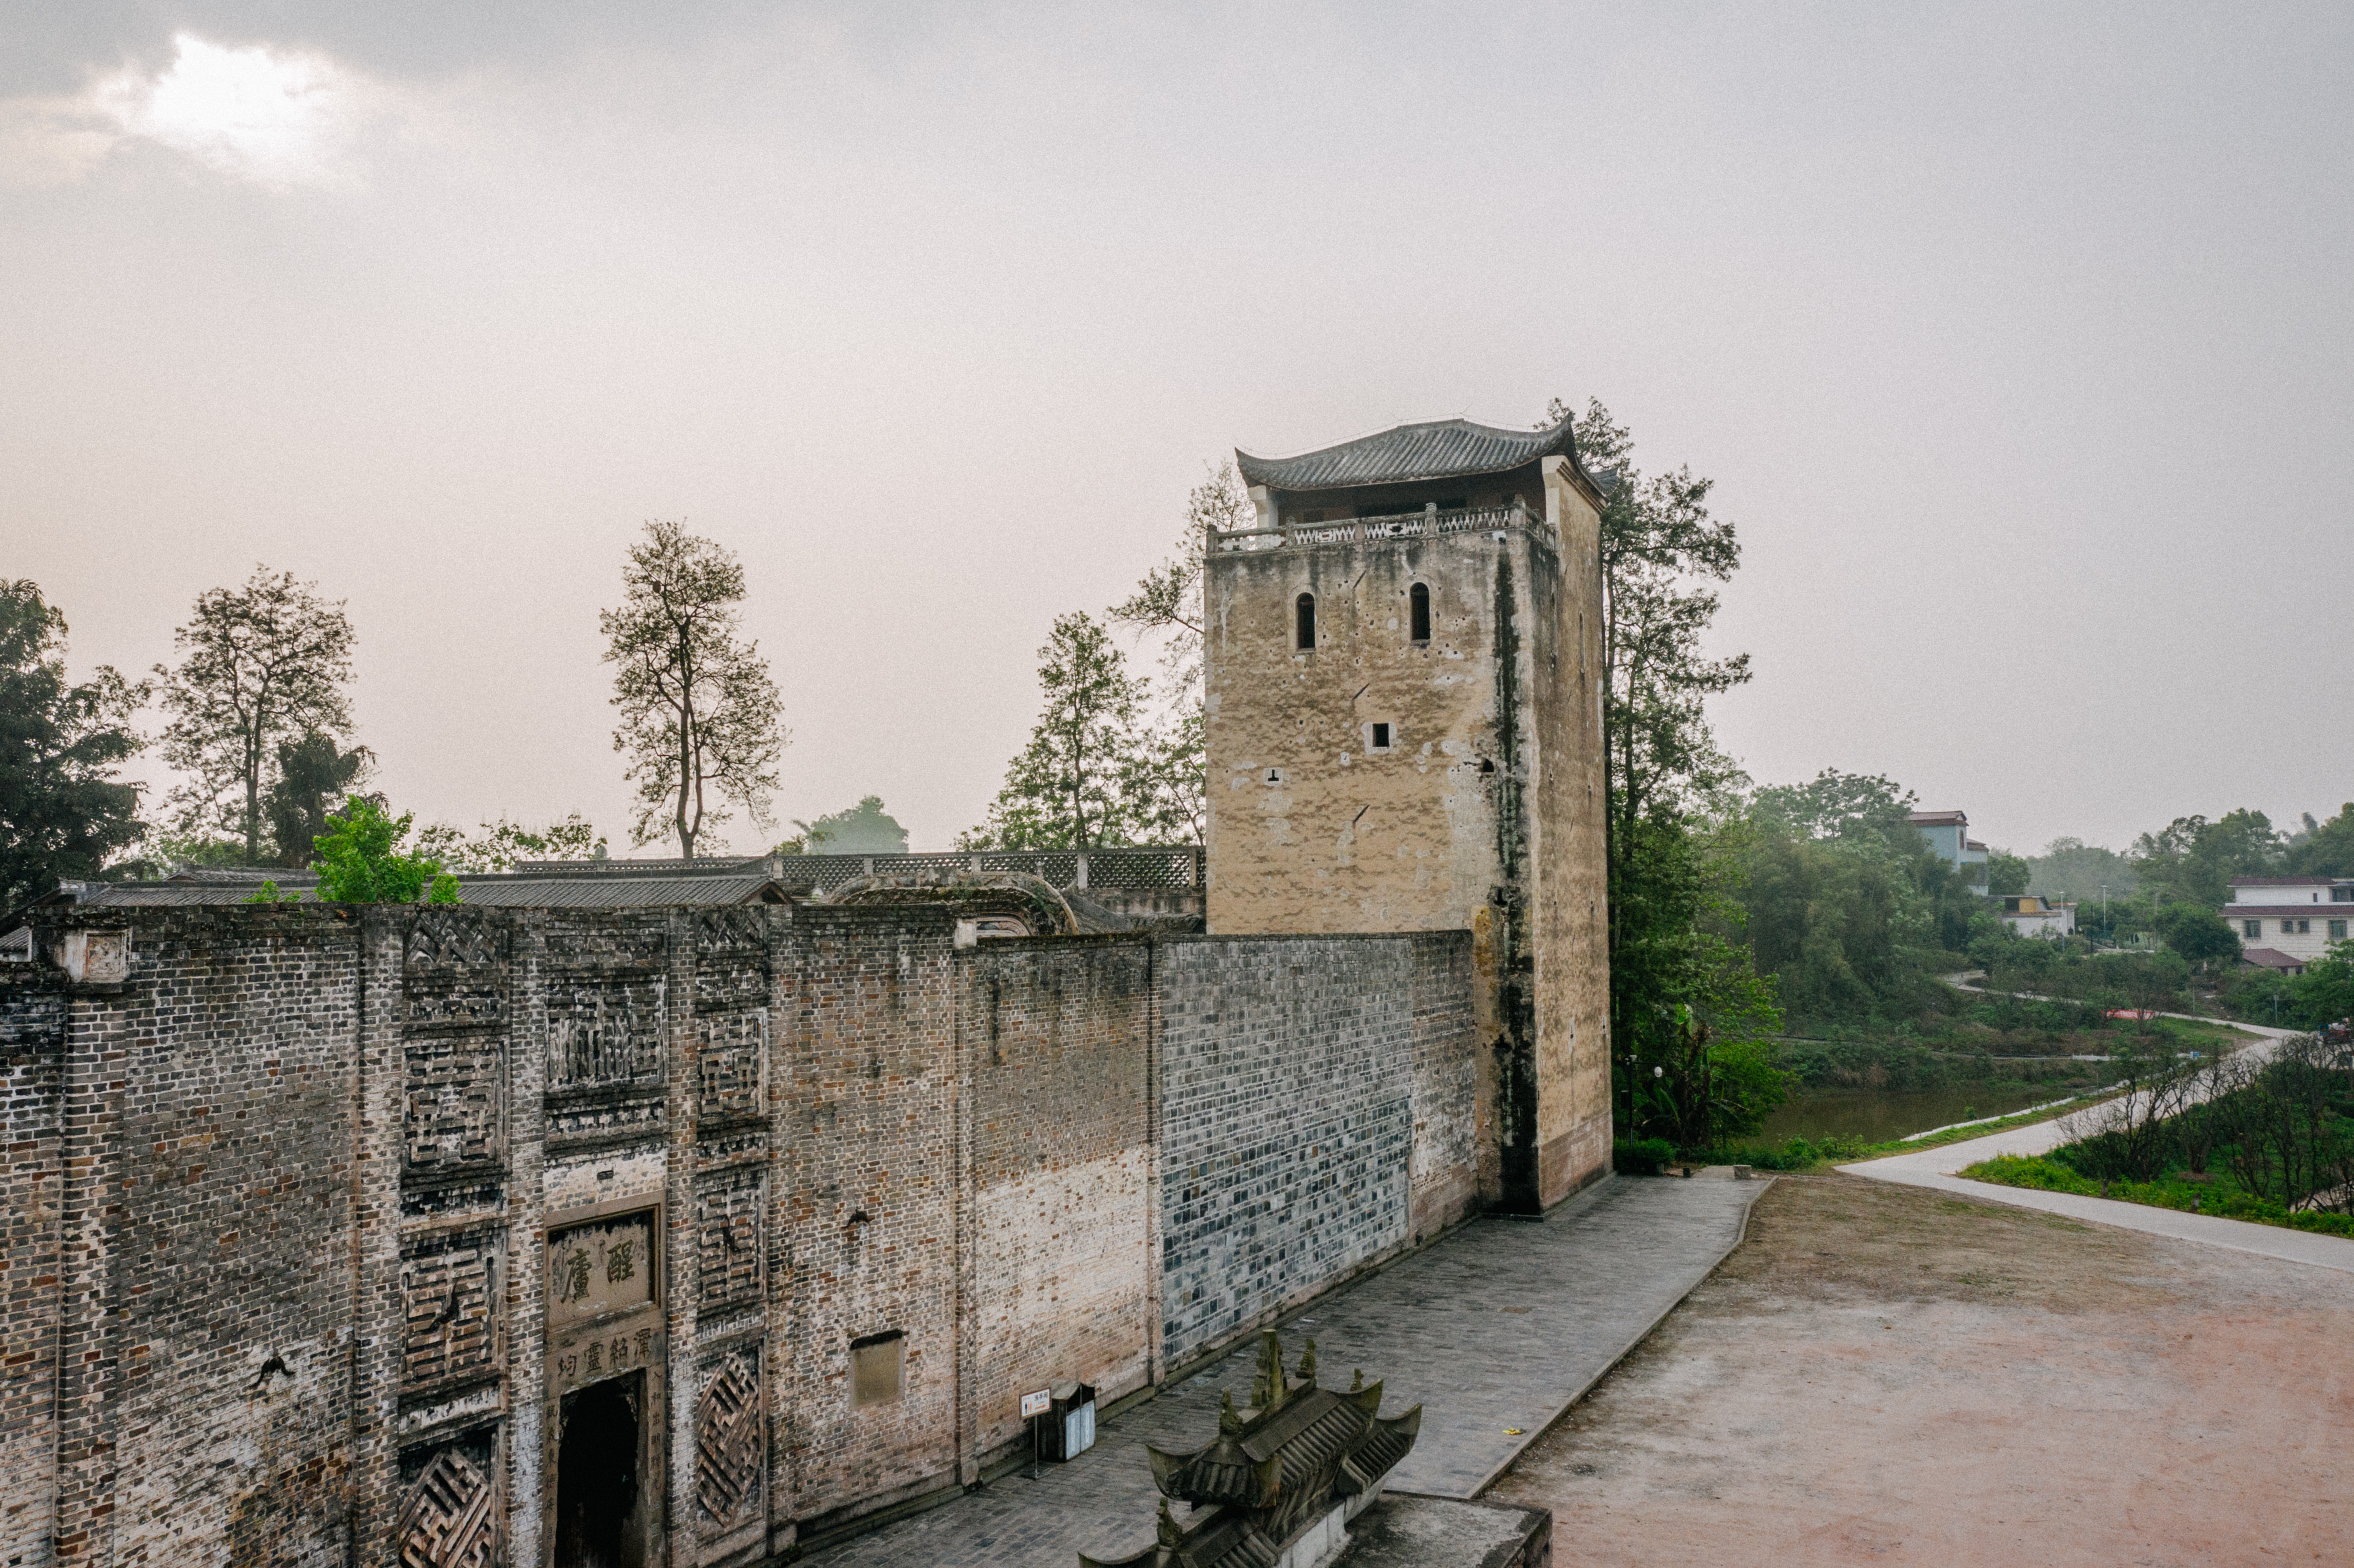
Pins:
x,y
1443,449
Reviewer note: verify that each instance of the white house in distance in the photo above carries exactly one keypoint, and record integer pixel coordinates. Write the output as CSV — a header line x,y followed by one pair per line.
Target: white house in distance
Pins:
x,y
2033,914
1948,833
2295,917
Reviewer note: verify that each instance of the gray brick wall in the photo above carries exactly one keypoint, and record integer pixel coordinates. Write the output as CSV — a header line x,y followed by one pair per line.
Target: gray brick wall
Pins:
x,y
1286,1121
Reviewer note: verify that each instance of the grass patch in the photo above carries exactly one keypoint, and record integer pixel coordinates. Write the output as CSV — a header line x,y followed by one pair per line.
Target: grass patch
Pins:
x,y
2217,1195
1805,1154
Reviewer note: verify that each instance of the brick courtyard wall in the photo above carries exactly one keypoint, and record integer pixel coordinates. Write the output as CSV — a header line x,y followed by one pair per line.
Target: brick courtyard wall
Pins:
x,y
281,1197
32,1067
206,1411
865,1210
1055,1039
1286,1122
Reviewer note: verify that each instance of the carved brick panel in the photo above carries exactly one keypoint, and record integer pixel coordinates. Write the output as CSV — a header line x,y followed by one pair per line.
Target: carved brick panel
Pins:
x,y
734,1049
729,1456
448,1518
604,1033
452,1101
455,938
727,1220
449,1298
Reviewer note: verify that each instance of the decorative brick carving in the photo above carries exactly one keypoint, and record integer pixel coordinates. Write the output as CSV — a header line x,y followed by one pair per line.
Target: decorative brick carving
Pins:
x,y
449,1298
451,1102
604,1033
604,948
460,1006
734,1047
450,1517
727,1220
455,938
731,928
729,1456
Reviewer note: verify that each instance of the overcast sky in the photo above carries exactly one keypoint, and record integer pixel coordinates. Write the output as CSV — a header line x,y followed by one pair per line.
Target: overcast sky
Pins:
x,y
2015,338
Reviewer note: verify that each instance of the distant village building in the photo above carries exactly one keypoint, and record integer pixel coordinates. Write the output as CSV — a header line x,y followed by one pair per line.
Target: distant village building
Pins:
x,y
2296,917
2033,914
1948,833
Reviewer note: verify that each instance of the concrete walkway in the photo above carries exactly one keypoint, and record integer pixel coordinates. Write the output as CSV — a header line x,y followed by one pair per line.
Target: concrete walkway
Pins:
x,y
1494,1330
1936,1168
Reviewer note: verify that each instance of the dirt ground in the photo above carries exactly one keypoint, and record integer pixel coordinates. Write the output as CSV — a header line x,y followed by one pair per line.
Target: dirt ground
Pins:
x,y
1888,1375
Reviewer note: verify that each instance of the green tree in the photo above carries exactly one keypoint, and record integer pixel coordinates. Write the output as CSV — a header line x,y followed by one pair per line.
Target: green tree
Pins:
x,y
2006,873
2327,849
1071,787
259,664
1166,779
1167,775
499,845
700,717
312,774
2324,994
2199,935
2073,866
1659,549
2193,860
863,829
63,812
361,859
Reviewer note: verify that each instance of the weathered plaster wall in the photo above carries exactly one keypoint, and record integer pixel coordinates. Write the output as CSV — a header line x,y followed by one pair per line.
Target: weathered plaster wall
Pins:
x,y
1310,830
1483,815
1055,1039
1568,862
867,1208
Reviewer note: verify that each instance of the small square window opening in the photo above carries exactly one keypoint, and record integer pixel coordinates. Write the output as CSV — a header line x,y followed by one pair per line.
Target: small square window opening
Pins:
x,y
1379,739
875,1365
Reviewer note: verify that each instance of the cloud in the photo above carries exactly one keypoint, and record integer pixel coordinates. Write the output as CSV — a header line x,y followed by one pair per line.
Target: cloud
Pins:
x,y
274,119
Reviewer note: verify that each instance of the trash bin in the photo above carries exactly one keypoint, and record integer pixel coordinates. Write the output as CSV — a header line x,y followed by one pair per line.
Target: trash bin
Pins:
x,y
1070,1427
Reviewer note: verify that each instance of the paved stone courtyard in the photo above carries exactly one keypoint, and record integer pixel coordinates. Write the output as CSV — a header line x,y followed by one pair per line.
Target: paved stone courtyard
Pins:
x,y
1497,1328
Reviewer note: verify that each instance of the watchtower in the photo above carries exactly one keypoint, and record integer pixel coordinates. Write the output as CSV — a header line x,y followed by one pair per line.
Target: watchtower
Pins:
x,y
1404,665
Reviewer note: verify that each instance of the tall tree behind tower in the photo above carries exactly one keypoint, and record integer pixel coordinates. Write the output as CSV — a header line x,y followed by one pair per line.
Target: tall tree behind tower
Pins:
x,y
261,663
1075,784
1660,550
700,718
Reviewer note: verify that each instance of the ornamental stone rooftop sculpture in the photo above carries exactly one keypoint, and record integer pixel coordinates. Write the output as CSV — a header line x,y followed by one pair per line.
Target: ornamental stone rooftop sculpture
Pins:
x,y
1281,1480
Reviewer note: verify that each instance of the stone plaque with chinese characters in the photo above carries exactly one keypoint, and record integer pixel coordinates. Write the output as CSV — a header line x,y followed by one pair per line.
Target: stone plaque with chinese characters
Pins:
x,y
600,1269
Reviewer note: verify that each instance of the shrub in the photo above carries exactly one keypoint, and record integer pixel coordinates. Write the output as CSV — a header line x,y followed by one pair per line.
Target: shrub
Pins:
x,y
1642,1156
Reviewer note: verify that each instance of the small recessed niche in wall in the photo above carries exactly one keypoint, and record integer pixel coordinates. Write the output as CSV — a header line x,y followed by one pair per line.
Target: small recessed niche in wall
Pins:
x,y
875,1365
1379,736
1418,601
1303,612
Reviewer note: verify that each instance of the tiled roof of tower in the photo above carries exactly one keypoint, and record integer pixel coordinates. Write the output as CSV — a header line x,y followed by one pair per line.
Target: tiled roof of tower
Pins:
x,y
1443,449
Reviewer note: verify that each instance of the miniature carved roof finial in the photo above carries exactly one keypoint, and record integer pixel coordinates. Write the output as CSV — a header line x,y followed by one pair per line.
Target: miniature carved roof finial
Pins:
x,y
1307,1366
1169,1532
1267,1388
1357,1381
1228,1422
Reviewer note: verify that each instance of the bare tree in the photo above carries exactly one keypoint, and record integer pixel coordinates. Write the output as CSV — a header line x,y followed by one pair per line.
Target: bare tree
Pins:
x,y
261,663
699,713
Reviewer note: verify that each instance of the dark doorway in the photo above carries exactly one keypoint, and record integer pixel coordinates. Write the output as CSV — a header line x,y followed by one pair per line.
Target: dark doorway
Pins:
x,y
598,1521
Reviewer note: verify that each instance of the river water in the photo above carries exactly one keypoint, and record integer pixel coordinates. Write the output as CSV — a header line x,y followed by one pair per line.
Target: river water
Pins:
x,y
1878,1115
